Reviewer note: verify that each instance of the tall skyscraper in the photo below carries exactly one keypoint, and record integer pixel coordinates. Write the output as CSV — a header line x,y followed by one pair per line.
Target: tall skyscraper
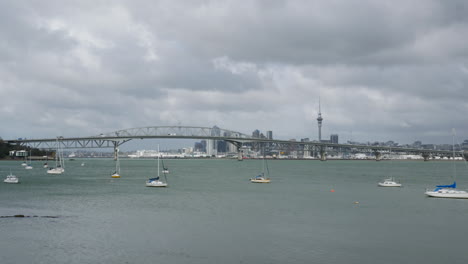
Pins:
x,y
269,134
256,133
319,120
212,145
334,138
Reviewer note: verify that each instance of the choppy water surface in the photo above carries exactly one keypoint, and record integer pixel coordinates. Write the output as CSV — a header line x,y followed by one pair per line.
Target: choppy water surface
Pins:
x,y
211,213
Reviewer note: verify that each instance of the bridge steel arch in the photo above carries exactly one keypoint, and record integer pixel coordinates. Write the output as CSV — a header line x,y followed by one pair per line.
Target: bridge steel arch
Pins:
x,y
116,138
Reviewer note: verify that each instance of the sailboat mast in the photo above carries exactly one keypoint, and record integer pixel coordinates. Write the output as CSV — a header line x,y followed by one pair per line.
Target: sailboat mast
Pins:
x,y
453,155
158,160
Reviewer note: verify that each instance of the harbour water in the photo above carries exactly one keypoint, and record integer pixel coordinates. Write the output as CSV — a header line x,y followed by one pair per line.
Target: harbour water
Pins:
x,y
211,213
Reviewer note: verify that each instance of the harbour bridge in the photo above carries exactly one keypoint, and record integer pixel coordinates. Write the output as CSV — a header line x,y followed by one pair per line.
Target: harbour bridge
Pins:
x,y
238,139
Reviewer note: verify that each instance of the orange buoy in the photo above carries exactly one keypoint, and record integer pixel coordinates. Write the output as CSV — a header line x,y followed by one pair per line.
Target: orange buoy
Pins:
x,y
332,190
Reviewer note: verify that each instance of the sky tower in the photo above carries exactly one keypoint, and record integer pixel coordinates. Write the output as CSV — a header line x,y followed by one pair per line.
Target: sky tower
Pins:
x,y
319,121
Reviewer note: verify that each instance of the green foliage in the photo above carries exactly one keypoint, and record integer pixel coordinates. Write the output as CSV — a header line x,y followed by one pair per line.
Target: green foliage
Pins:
x,y
5,149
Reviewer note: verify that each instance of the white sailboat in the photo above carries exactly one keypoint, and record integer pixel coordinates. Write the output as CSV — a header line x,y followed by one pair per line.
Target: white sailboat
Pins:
x,y
11,179
29,165
59,163
164,169
156,182
261,178
390,182
46,165
449,191
116,173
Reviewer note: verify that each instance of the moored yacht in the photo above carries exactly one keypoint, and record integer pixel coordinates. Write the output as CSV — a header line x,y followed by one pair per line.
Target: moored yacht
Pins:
x,y
11,179
389,182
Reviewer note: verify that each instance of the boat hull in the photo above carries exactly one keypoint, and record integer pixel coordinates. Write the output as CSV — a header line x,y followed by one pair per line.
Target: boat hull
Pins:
x,y
11,181
115,176
383,184
156,184
453,195
260,181
55,171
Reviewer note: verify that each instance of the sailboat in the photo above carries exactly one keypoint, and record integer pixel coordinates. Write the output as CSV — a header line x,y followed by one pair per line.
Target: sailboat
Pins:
x,y
24,163
59,165
11,178
29,166
116,174
449,191
156,182
389,182
46,165
164,169
261,178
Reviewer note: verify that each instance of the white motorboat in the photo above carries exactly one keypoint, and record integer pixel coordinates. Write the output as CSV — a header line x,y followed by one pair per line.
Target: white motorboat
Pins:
x,y
11,179
449,191
389,182
156,182
45,166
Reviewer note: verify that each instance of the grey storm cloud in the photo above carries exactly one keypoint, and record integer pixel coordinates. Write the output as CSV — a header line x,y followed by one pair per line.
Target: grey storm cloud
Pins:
x,y
384,71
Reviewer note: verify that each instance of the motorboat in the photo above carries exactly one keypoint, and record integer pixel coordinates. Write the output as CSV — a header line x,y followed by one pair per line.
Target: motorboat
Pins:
x,y
11,179
389,182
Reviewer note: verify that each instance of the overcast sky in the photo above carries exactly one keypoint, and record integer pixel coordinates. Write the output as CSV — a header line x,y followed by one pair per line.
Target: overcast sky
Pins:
x,y
384,70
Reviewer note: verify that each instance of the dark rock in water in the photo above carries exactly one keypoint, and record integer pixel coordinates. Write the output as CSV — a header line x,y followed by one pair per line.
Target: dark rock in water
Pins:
x,y
22,216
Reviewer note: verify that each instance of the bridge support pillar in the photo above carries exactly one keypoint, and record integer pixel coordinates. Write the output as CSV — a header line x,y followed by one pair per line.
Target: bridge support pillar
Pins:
x,y
323,154
426,156
378,156
116,150
240,154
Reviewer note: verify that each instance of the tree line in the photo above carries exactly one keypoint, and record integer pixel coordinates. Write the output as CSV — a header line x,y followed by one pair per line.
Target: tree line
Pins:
x,y
5,149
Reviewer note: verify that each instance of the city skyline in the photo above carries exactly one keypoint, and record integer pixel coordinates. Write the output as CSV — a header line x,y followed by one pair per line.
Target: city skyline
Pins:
x,y
85,68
